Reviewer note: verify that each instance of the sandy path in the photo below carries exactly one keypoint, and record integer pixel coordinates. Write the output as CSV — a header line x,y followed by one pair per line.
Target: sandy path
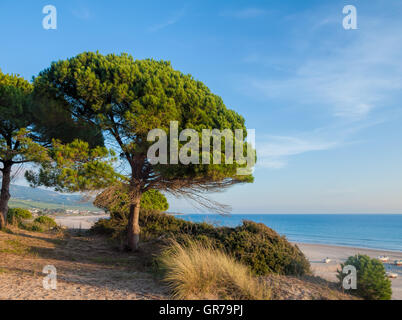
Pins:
x,y
87,268
79,222
317,252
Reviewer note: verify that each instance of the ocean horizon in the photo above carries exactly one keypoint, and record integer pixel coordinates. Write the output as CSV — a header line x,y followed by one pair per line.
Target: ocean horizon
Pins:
x,y
366,231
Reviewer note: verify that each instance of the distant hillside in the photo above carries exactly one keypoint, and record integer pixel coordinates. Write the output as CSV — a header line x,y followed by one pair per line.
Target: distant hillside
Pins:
x,y
40,198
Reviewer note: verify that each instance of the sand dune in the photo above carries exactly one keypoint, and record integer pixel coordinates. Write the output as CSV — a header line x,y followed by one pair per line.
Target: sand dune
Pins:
x,y
314,252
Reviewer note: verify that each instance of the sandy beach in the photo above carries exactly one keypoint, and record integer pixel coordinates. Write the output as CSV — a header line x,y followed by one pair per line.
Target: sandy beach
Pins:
x,y
317,252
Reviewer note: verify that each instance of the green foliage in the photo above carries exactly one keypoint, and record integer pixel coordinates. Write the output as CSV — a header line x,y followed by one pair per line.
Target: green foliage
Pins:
x,y
16,215
14,103
257,246
154,200
40,224
264,250
372,282
127,98
17,144
116,201
25,136
76,167
33,226
52,121
47,221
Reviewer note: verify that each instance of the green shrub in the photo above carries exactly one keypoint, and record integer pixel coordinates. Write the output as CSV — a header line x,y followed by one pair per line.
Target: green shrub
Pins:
x,y
264,250
255,245
372,282
40,224
46,221
116,201
16,215
33,226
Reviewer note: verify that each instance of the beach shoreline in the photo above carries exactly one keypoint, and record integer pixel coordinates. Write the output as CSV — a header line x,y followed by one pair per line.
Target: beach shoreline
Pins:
x,y
315,253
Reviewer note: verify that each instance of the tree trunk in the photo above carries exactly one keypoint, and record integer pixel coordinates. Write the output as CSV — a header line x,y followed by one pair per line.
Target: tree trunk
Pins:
x,y
5,194
134,225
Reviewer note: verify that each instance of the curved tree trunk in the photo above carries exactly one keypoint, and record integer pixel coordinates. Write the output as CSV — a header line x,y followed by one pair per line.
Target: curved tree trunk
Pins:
x,y
134,225
5,194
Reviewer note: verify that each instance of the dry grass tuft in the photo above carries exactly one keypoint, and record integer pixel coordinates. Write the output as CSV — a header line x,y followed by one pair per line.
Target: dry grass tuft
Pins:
x,y
199,271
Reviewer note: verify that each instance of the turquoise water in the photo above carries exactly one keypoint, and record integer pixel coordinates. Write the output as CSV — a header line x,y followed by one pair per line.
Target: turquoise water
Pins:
x,y
375,231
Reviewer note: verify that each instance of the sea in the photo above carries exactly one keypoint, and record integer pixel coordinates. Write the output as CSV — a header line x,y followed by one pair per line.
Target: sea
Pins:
x,y
370,231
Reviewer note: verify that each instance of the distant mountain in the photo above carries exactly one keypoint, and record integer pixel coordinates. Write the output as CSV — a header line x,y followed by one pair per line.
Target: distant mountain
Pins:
x,y
47,196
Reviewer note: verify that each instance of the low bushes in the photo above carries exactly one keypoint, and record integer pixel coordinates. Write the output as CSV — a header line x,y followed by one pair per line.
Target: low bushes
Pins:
x,y
200,271
33,226
372,282
115,199
264,250
16,215
46,221
255,245
40,224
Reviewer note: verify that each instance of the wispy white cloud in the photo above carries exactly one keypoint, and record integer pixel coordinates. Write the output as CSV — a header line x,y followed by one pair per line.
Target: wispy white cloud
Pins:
x,y
171,21
274,151
351,79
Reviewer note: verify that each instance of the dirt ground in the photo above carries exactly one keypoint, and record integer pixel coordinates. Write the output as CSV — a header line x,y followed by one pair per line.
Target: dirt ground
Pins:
x,y
87,268
90,268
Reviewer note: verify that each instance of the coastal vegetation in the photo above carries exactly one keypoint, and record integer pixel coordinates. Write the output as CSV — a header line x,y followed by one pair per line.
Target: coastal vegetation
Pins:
x,y
17,144
89,267
23,219
125,99
16,215
199,271
255,245
30,128
63,122
47,221
372,282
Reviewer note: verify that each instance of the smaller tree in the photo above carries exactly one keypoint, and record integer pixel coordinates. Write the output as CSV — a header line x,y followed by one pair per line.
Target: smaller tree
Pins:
x,y
18,214
76,166
33,129
116,201
372,282
17,143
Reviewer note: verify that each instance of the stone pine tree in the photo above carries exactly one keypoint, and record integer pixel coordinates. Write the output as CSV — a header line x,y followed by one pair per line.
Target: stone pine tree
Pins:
x,y
127,98
17,143
32,129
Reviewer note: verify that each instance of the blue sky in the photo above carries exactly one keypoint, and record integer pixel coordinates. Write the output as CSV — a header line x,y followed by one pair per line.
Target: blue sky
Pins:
x,y
325,102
